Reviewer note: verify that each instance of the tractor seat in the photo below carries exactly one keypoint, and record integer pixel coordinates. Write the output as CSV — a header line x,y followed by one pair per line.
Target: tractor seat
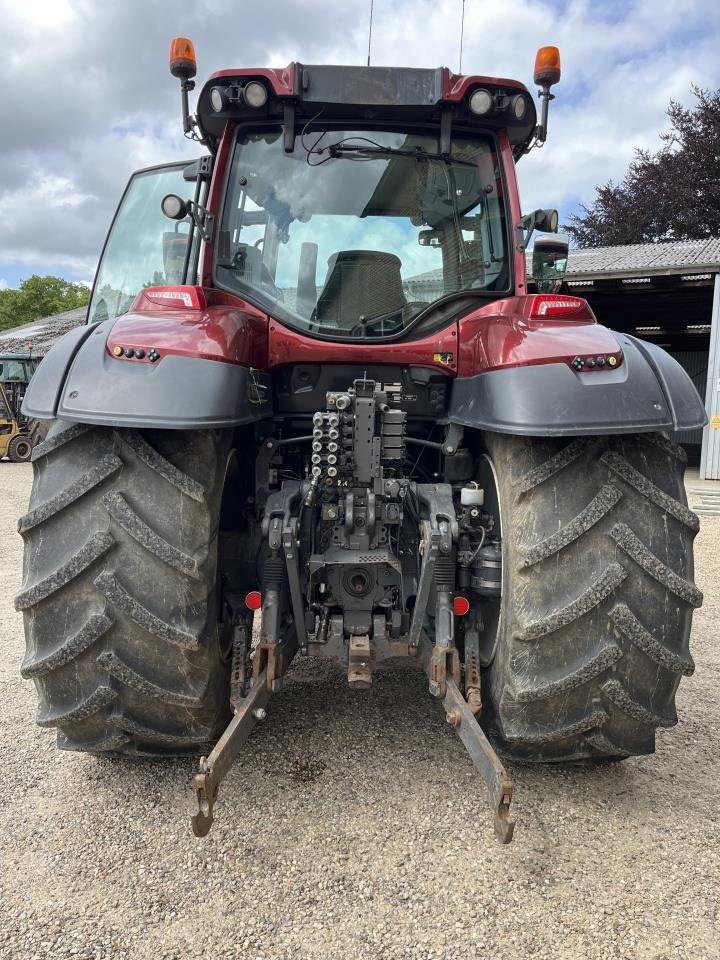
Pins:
x,y
360,283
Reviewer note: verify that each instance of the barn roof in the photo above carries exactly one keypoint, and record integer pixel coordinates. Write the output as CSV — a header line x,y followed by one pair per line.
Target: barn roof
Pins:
x,y
683,257
42,334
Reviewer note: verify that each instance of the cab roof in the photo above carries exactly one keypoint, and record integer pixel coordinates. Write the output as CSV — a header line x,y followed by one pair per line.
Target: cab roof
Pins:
x,y
398,96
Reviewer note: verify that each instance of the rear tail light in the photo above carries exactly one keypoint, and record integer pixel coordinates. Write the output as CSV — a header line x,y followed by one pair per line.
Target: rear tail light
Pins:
x,y
557,305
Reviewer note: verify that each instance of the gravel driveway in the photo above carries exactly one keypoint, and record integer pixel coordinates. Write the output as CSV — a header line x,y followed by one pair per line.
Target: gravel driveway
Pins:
x,y
354,827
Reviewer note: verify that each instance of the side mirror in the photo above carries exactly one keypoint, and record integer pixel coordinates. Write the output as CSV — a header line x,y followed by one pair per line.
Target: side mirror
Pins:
x,y
546,221
549,263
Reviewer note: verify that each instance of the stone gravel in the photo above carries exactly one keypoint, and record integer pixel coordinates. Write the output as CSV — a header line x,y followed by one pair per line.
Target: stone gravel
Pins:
x,y
354,826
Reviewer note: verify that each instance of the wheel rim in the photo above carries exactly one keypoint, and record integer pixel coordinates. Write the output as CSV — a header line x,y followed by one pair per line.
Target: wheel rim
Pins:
x,y
491,608
23,450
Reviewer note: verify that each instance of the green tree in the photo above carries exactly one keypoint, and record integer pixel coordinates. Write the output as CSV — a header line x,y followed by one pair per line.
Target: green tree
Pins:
x,y
39,297
673,194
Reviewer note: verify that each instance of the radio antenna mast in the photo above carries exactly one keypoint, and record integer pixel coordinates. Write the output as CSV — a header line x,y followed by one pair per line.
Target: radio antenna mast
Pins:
x,y
372,4
462,33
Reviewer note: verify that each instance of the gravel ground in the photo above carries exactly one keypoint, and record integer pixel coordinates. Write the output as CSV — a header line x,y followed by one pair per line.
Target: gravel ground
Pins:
x,y
354,827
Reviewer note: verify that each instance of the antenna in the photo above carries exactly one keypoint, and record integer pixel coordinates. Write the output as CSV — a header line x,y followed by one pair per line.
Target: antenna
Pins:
x,y
372,4
462,34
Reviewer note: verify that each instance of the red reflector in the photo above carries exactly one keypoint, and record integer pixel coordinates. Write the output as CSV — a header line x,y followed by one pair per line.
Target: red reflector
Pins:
x,y
253,600
560,305
461,605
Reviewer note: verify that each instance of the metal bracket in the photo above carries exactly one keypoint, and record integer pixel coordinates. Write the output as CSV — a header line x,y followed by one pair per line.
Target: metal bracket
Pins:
x,y
214,768
262,470
472,670
359,669
269,661
453,439
239,673
431,542
438,669
289,542
486,761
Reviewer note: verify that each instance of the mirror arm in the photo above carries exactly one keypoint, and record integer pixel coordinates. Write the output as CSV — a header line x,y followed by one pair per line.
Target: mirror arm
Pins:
x,y
524,231
204,221
545,220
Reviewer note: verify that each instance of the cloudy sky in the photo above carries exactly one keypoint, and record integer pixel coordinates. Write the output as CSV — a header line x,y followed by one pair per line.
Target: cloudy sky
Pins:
x,y
87,96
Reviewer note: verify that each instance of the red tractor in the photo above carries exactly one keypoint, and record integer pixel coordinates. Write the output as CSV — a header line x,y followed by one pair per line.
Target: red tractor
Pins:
x,y
316,410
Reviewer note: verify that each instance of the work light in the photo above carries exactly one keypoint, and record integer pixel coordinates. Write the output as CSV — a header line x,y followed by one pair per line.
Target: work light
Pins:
x,y
481,101
255,94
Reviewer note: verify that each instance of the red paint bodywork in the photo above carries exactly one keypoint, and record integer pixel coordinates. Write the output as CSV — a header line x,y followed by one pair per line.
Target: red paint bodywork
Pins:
x,y
281,80
457,85
214,200
286,346
222,327
504,334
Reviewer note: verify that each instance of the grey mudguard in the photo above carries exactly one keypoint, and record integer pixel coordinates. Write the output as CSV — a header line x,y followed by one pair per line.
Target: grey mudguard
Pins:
x,y
79,381
42,394
648,392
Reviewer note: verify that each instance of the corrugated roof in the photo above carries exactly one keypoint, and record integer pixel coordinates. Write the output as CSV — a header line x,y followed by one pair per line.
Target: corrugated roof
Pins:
x,y
633,261
681,257
42,334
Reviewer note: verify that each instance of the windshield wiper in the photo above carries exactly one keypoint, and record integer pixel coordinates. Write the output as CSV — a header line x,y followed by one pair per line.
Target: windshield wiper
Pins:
x,y
337,150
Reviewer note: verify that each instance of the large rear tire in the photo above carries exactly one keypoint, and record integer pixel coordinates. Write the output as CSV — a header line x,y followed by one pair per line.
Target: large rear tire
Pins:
x,y
598,595
119,588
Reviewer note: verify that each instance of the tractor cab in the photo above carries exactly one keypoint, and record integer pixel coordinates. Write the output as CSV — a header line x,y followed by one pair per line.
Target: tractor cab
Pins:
x,y
349,203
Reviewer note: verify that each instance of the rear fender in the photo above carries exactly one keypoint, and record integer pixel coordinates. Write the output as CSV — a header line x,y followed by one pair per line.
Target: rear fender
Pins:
x,y
518,373
201,365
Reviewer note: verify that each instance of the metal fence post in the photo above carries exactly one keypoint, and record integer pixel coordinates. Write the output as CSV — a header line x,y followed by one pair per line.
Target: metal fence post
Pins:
x,y
710,457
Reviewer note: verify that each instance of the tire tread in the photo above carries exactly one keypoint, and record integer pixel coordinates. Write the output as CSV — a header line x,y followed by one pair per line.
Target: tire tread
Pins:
x,y
598,595
118,595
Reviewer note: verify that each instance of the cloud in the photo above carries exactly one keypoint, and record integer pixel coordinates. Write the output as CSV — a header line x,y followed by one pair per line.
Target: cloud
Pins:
x,y
3,283
88,97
